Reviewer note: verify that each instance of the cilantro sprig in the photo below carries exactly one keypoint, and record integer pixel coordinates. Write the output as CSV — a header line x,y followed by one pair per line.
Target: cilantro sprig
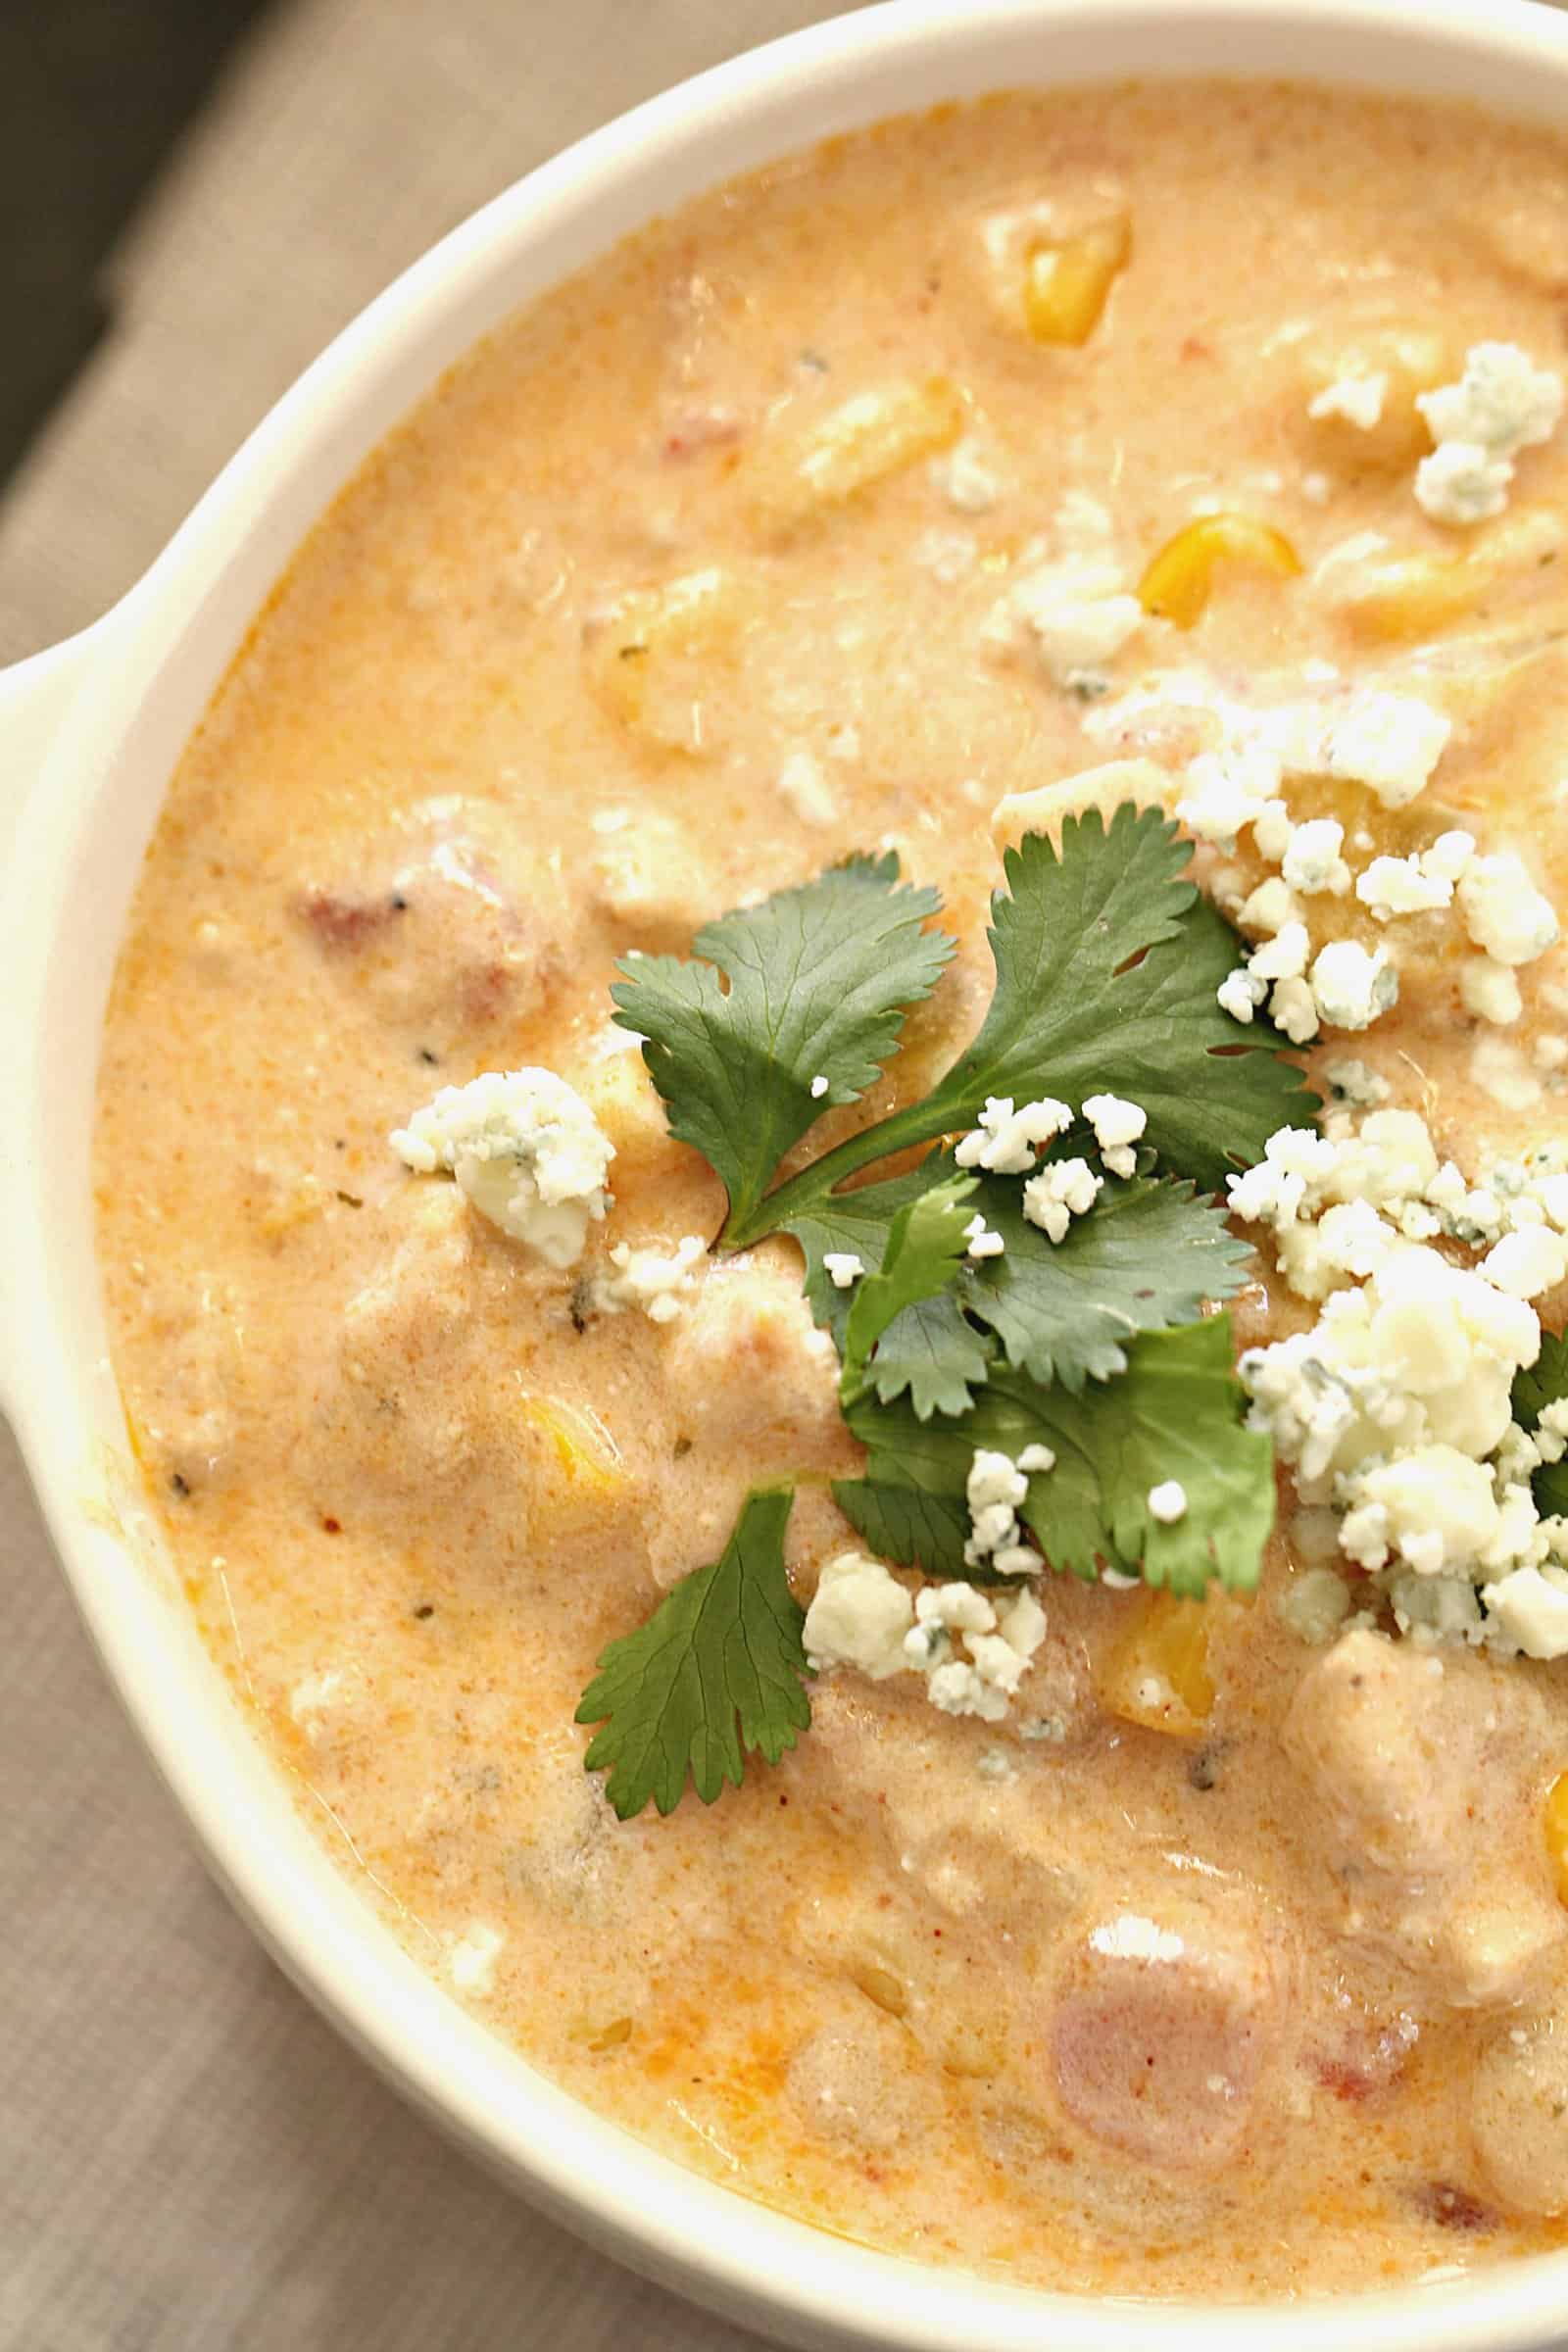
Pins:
x,y
715,1674
1099,1347
819,980
1106,967
1176,1413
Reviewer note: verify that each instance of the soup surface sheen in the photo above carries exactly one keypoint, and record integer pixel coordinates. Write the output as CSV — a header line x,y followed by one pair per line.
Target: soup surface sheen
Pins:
x,y
1237,1968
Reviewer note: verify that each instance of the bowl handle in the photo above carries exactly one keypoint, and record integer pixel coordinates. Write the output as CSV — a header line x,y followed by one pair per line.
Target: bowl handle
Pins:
x,y
34,697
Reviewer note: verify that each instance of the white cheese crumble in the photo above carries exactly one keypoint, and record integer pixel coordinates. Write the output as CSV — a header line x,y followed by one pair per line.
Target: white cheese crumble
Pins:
x,y
965,477
1501,1071
947,556
471,1959
1387,741
1502,403
1503,912
315,1697
806,791
1118,1126
524,1149
819,1087
1357,1082
1063,1190
1240,994
972,1649
1167,1502
1283,957
1349,987
1461,485
1073,605
1006,1140
1270,907
651,1279
860,1617
1225,791
1312,863
1359,399
1394,1408
1528,1262
1420,884
996,1490
1531,1607
980,1239
842,1267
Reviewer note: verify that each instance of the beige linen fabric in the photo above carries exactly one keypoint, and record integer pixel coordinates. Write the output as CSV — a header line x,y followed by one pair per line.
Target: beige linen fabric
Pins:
x,y
189,2159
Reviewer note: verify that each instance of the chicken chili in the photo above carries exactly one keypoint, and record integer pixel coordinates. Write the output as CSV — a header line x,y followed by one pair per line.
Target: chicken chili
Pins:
x,y
834,1187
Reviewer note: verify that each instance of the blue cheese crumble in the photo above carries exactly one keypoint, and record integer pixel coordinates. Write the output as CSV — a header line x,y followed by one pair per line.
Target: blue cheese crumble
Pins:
x,y
655,1280
526,1150
972,1649
1502,403
1006,1140
1393,1409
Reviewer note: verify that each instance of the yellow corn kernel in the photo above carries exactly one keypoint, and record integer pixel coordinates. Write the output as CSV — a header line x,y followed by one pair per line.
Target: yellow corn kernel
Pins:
x,y
650,658
1156,1670
602,2039
1067,280
862,442
972,2042
1555,1824
1179,580
880,1984
588,1455
1410,359
1416,596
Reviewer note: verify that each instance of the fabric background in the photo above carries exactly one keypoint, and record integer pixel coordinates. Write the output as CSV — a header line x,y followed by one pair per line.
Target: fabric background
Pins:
x,y
189,2159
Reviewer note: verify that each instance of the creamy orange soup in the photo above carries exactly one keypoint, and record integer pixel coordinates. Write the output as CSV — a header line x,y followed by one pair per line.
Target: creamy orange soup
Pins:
x,y
1024,458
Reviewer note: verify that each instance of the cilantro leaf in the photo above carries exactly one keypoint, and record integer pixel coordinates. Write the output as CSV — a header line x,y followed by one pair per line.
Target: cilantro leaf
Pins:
x,y
929,1348
1146,1255
858,1224
1108,966
714,1673
1546,1383
1176,1413
932,1352
819,982
925,1248
915,1525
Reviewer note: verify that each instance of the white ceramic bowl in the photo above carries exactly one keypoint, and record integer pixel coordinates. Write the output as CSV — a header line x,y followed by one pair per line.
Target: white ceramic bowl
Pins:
x,y
90,734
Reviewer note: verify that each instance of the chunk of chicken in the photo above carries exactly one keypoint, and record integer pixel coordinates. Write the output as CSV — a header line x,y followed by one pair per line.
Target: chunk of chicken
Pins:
x,y
651,880
182,1409
745,1360
1169,2017
1389,1749
854,2082
421,1394
447,930
1519,2113
751,1388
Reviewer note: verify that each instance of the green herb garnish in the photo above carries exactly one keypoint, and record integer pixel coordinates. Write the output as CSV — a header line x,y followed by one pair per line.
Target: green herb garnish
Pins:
x,y
713,1674
1106,966
1176,1413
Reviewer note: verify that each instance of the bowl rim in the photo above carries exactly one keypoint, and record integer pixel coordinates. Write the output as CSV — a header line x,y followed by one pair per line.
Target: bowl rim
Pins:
x,y
757,2265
